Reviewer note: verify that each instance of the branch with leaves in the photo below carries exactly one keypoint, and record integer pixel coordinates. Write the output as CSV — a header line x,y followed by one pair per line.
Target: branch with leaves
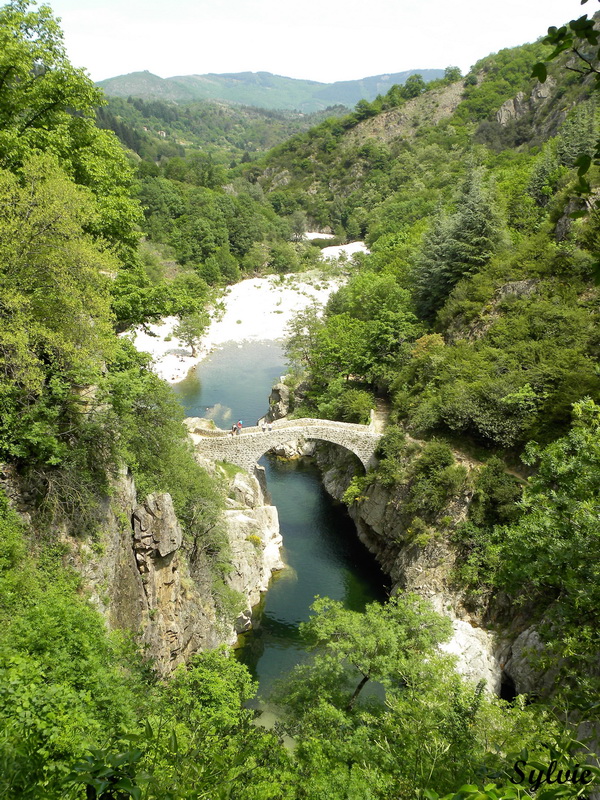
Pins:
x,y
573,37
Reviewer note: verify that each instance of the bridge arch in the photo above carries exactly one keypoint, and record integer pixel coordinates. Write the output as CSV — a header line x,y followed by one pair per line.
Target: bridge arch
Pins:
x,y
244,450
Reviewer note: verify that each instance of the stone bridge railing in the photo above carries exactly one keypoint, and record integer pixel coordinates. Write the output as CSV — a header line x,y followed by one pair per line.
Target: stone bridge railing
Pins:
x,y
245,449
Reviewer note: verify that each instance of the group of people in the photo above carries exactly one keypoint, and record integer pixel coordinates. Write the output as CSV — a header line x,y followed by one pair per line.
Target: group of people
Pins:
x,y
236,428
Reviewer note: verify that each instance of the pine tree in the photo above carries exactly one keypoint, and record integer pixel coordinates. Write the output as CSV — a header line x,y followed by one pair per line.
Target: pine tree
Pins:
x,y
457,246
577,135
475,231
429,281
544,176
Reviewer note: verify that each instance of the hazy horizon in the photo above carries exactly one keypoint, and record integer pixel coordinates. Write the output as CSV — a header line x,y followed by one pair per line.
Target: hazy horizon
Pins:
x,y
266,72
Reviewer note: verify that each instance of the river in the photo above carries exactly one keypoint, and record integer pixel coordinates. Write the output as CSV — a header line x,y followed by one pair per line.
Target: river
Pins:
x,y
321,549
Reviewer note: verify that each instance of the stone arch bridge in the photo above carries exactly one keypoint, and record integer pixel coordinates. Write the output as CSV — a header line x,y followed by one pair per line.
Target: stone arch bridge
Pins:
x,y
244,449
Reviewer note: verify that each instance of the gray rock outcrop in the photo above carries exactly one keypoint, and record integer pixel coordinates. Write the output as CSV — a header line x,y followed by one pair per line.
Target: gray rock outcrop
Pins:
x,y
513,109
279,403
156,530
519,657
518,106
141,576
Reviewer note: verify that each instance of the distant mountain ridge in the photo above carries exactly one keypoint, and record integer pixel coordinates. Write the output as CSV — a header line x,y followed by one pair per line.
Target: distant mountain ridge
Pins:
x,y
261,89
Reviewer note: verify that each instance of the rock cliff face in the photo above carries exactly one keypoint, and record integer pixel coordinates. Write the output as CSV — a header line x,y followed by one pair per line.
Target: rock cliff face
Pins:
x,y
141,577
421,568
144,576
520,105
279,403
503,661
255,541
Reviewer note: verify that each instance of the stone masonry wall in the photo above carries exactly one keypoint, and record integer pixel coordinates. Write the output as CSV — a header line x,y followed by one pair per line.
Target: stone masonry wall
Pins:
x,y
246,448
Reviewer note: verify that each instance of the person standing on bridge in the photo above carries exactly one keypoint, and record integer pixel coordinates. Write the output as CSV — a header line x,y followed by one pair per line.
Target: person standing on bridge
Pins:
x,y
239,426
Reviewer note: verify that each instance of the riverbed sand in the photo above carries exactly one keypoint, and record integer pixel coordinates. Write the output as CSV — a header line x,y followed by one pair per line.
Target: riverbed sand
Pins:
x,y
335,251
318,235
255,309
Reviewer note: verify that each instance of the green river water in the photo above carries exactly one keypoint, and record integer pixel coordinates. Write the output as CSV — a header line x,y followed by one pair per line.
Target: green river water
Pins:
x,y
321,549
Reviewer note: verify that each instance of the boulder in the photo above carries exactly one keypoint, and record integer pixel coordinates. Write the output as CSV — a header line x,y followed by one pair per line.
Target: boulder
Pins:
x,y
279,402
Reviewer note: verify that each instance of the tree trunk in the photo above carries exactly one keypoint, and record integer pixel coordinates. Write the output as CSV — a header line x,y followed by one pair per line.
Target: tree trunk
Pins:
x,y
357,691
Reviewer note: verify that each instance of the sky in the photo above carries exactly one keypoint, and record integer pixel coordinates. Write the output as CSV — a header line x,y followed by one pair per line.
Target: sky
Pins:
x,y
322,40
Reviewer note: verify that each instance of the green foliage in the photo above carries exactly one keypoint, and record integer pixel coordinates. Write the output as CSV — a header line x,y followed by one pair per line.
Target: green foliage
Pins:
x,y
457,246
111,777
573,36
495,502
48,106
414,86
39,84
218,130
577,135
200,738
427,476
355,493
78,707
65,684
527,359
496,495
433,479
452,74
550,554
558,772
16,578
56,336
213,233
346,403
139,295
386,642
392,451
431,731
542,550
544,176
340,348
365,331
504,74
191,329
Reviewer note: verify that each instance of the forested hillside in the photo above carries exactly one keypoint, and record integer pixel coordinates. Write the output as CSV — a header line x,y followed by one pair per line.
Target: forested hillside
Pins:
x,y
155,129
475,318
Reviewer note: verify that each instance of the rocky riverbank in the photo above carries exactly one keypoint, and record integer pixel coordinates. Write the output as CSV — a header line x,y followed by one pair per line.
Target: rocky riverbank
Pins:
x,y
422,567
